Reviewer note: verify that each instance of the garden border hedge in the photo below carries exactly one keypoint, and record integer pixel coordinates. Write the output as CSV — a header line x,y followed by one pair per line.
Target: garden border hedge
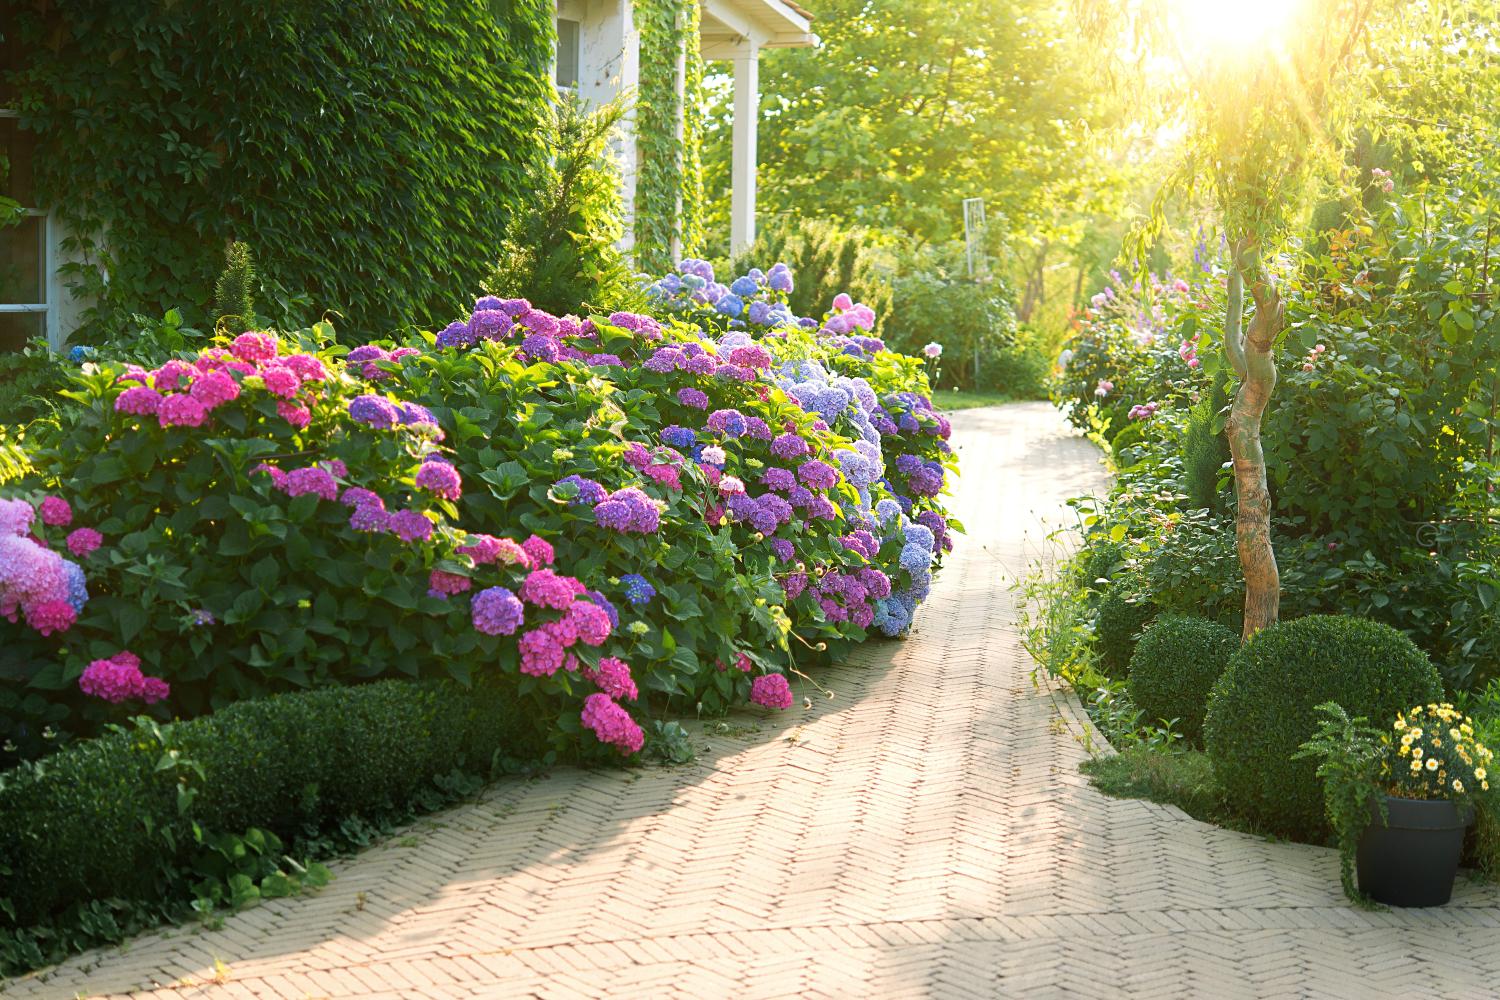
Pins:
x,y
111,834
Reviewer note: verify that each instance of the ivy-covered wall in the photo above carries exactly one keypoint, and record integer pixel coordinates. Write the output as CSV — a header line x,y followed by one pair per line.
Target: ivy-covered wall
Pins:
x,y
669,132
369,150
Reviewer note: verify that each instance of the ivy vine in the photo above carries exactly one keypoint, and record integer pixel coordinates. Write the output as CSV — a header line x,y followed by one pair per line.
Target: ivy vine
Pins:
x,y
371,152
669,201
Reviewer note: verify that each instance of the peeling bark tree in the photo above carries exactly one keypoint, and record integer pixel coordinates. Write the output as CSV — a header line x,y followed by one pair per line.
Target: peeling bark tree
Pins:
x,y
1249,352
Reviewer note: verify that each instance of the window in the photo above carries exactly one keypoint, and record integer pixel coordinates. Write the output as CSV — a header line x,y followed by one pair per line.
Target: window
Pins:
x,y
26,310
569,53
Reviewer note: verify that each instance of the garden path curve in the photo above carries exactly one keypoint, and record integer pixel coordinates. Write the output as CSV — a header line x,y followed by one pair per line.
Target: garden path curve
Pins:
x,y
925,832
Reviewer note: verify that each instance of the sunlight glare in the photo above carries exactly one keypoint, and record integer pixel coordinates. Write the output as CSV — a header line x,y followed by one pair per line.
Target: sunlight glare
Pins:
x,y
1211,27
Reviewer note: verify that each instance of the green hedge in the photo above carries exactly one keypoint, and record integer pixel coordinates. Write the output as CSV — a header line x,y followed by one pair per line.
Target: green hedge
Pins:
x,y
1174,668
112,818
1117,625
372,150
1264,708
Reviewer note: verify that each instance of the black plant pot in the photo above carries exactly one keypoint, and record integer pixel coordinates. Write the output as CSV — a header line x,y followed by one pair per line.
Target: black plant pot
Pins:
x,y
1411,861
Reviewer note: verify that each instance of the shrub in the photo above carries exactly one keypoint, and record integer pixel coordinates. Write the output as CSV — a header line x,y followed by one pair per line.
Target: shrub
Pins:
x,y
1204,452
234,292
1264,708
29,382
1117,626
114,817
561,247
1174,668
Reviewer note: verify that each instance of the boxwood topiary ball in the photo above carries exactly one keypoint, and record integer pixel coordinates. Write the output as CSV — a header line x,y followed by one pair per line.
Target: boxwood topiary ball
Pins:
x,y
1174,668
1262,709
1117,626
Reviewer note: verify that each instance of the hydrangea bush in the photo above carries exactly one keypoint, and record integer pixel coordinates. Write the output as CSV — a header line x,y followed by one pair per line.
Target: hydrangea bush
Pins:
x,y
686,506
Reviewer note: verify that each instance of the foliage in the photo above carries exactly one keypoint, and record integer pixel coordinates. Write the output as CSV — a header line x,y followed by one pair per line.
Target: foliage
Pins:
x,y
151,821
668,126
1205,451
234,292
1265,706
1118,622
29,381
1350,756
1175,666
561,249
970,99
974,321
377,148
1184,780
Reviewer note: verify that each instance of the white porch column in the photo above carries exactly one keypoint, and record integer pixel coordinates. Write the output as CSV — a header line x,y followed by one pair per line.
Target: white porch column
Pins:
x,y
746,115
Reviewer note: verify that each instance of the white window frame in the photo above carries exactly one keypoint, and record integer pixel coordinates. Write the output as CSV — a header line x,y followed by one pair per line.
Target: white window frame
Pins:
x,y
51,324
577,53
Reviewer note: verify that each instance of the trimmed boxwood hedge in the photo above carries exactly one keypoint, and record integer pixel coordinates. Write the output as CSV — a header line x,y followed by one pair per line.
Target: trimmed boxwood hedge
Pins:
x,y
1264,708
1117,625
1174,668
113,818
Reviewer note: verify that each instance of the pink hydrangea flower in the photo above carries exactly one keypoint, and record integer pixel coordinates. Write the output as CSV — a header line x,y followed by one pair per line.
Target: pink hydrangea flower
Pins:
x,y
589,621
181,411
56,512
546,589
541,653
214,389
294,414
313,479
15,517
281,381
119,679
256,348
50,616
441,583
169,377
771,690
612,676
307,367
84,541
611,723
138,399
539,550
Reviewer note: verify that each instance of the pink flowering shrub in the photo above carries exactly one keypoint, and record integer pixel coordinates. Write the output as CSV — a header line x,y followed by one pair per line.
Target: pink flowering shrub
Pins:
x,y
588,512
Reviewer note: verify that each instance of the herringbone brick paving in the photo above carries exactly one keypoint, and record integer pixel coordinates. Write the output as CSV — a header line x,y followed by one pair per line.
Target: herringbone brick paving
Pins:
x,y
923,833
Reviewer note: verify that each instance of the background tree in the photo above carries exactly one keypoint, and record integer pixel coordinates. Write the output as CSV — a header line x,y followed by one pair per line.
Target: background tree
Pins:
x,y
1260,94
906,108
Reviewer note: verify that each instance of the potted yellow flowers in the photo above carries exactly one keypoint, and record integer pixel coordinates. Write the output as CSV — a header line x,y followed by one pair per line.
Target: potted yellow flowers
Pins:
x,y
1400,798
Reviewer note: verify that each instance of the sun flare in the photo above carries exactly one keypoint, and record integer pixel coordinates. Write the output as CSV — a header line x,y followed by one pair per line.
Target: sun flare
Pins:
x,y
1216,27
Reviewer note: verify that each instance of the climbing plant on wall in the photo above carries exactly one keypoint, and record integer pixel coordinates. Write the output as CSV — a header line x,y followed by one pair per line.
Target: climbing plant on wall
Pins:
x,y
669,132
369,150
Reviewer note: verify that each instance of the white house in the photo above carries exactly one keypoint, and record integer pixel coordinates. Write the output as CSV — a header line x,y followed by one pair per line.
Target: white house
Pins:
x,y
598,52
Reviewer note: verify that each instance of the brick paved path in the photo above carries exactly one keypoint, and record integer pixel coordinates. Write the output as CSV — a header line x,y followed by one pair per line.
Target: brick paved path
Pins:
x,y
924,833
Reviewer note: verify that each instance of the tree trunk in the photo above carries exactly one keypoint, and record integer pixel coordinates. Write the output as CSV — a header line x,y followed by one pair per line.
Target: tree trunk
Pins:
x,y
1250,355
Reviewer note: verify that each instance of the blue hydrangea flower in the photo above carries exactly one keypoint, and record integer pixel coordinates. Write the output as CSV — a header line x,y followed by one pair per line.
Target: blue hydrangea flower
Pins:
x,y
78,591
637,590
744,286
729,304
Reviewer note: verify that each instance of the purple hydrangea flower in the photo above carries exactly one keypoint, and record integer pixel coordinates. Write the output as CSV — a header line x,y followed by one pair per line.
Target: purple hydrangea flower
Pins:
x,y
497,611
374,411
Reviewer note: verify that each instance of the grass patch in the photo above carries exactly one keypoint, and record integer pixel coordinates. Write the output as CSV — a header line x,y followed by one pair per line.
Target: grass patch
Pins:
x,y
1184,779
958,399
